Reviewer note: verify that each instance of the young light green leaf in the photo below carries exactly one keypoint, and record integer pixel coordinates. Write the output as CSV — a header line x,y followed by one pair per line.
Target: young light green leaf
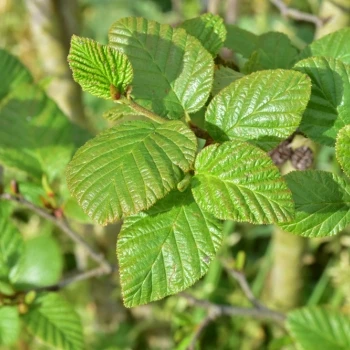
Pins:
x,y
238,181
342,149
209,29
118,112
264,106
327,111
173,72
322,203
53,320
334,45
13,73
166,249
223,77
129,167
273,50
35,136
40,264
240,40
316,328
99,69
9,325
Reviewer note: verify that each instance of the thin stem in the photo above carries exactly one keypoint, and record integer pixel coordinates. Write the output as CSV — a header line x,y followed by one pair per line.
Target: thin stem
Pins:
x,y
296,14
61,224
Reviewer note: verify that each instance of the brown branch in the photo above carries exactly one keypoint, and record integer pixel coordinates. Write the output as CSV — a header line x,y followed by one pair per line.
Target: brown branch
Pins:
x,y
296,14
63,225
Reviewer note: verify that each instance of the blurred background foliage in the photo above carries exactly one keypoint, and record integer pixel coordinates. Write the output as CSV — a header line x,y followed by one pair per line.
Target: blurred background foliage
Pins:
x,y
170,324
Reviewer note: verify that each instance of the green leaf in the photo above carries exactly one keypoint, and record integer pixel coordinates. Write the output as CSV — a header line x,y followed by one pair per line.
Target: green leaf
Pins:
x,y
11,243
334,45
223,77
316,328
240,40
54,321
129,167
273,50
9,325
118,112
35,135
264,106
96,67
322,203
327,111
342,148
173,72
166,249
40,264
209,29
238,181
13,73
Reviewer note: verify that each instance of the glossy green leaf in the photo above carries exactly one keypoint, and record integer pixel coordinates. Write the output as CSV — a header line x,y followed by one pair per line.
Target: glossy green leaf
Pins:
x,y
238,181
53,320
173,72
118,112
96,67
35,135
40,264
342,148
273,50
321,329
129,167
334,45
13,73
240,40
223,77
166,249
328,109
264,106
322,203
209,29
9,325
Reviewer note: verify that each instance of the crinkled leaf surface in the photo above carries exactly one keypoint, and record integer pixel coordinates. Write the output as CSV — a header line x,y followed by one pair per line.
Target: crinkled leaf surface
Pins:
x,y
9,325
273,50
334,45
240,40
209,29
35,135
96,67
13,73
328,109
223,77
238,181
55,322
322,203
166,249
173,72
40,264
129,167
342,148
316,328
264,106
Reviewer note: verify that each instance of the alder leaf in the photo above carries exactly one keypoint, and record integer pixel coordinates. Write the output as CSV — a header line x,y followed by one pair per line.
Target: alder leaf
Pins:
x,y
173,72
9,325
129,167
262,107
240,40
238,181
97,67
53,320
118,112
322,203
328,109
342,149
209,29
334,45
223,77
321,329
166,249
